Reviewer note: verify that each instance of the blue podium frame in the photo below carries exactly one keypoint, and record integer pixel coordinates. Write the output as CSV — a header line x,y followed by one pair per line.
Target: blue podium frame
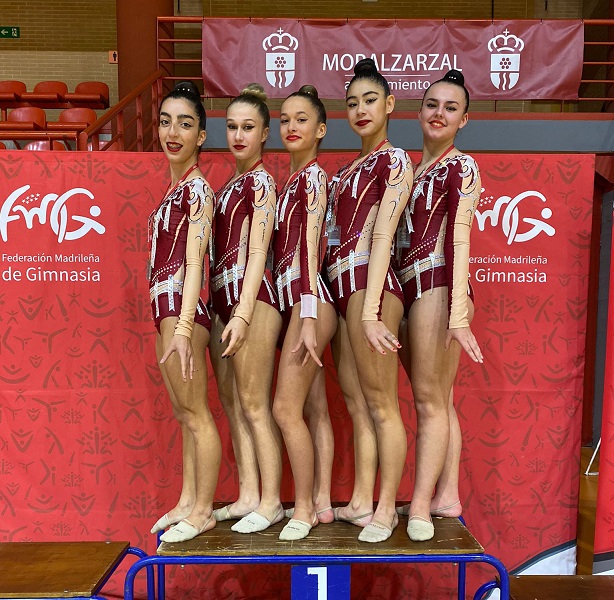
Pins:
x,y
314,560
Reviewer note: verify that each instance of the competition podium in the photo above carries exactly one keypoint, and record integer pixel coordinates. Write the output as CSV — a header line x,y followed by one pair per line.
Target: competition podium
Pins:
x,y
320,564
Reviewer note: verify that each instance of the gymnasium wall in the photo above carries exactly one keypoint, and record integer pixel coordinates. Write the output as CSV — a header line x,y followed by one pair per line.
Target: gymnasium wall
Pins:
x,y
63,40
70,40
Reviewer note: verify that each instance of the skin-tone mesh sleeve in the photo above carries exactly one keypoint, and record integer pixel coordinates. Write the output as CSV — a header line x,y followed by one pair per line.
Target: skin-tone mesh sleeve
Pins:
x,y
200,215
311,230
398,181
463,197
262,221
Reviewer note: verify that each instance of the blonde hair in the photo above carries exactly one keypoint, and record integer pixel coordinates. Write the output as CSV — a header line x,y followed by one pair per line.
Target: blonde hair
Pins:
x,y
254,95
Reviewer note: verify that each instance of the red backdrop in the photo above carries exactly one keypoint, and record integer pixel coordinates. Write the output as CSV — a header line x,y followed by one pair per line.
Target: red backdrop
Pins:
x,y
89,446
604,521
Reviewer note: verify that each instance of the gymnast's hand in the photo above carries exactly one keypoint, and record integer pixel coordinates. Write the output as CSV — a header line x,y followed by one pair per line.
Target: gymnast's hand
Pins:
x,y
183,346
464,336
235,332
308,338
379,338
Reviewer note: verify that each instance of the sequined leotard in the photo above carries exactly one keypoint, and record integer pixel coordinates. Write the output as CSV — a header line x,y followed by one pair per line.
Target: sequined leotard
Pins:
x,y
367,200
244,219
179,230
439,217
301,210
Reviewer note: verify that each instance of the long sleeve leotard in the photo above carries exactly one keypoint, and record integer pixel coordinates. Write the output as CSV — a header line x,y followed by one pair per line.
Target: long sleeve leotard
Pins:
x,y
179,230
244,220
300,215
439,218
367,200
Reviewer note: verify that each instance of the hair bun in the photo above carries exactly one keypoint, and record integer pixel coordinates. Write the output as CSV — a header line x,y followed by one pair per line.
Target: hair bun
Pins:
x,y
187,87
254,89
455,76
309,90
366,65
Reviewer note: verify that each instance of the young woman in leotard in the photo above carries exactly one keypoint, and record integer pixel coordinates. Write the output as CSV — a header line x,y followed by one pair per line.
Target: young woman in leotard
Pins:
x,y
309,315
246,322
434,272
368,198
179,231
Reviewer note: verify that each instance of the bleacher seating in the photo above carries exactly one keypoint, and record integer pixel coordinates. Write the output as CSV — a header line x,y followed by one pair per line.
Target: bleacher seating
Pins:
x,y
10,95
73,119
25,118
93,94
46,93
39,145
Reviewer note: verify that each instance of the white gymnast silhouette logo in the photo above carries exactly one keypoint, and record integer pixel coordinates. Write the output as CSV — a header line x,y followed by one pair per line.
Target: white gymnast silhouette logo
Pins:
x,y
510,219
53,206
505,51
280,64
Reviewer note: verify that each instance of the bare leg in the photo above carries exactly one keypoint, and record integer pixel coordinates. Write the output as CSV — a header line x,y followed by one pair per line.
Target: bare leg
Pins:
x,y
359,511
293,385
253,367
432,373
378,377
240,433
204,451
321,430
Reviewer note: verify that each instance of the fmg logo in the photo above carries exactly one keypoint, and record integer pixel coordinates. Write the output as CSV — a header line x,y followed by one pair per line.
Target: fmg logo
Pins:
x,y
509,213
66,223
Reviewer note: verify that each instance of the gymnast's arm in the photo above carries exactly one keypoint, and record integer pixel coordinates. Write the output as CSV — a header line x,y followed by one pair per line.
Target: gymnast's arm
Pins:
x,y
199,213
262,220
463,197
313,213
392,205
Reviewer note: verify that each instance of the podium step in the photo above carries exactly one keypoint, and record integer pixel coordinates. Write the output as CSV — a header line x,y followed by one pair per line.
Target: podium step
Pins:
x,y
57,569
338,538
562,587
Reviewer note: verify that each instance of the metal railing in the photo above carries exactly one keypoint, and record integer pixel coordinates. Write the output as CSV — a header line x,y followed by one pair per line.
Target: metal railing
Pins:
x,y
180,51
132,121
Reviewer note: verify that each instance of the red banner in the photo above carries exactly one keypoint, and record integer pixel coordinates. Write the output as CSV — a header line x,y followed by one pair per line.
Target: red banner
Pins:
x,y
604,519
501,60
90,449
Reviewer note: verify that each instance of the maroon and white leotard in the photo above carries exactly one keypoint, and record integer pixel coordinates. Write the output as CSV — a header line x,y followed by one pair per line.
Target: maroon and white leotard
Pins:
x,y
438,218
244,218
301,210
179,231
367,200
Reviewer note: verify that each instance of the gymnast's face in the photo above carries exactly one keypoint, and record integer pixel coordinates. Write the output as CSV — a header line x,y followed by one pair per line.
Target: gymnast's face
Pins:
x,y
298,125
442,112
179,133
368,107
245,132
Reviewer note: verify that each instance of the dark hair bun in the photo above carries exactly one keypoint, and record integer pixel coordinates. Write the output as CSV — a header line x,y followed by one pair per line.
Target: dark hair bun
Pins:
x,y
366,65
187,87
454,76
309,90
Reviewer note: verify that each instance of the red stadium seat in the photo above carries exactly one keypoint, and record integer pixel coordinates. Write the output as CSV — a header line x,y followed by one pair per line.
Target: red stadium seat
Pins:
x,y
91,93
44,145
48,92
10,95
25,118
11,91
2,146
73,119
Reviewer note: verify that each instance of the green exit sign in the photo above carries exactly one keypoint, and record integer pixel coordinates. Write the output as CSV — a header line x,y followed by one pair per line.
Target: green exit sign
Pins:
x,y
9,32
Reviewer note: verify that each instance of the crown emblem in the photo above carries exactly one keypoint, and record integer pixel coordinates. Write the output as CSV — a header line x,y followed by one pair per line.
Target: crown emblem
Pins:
x,y
505,50
280,61
279,41
506,42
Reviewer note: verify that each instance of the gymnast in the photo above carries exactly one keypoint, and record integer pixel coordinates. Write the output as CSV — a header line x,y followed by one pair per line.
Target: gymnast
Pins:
x,y
310,319
434,272
246,322
367,199
179,230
